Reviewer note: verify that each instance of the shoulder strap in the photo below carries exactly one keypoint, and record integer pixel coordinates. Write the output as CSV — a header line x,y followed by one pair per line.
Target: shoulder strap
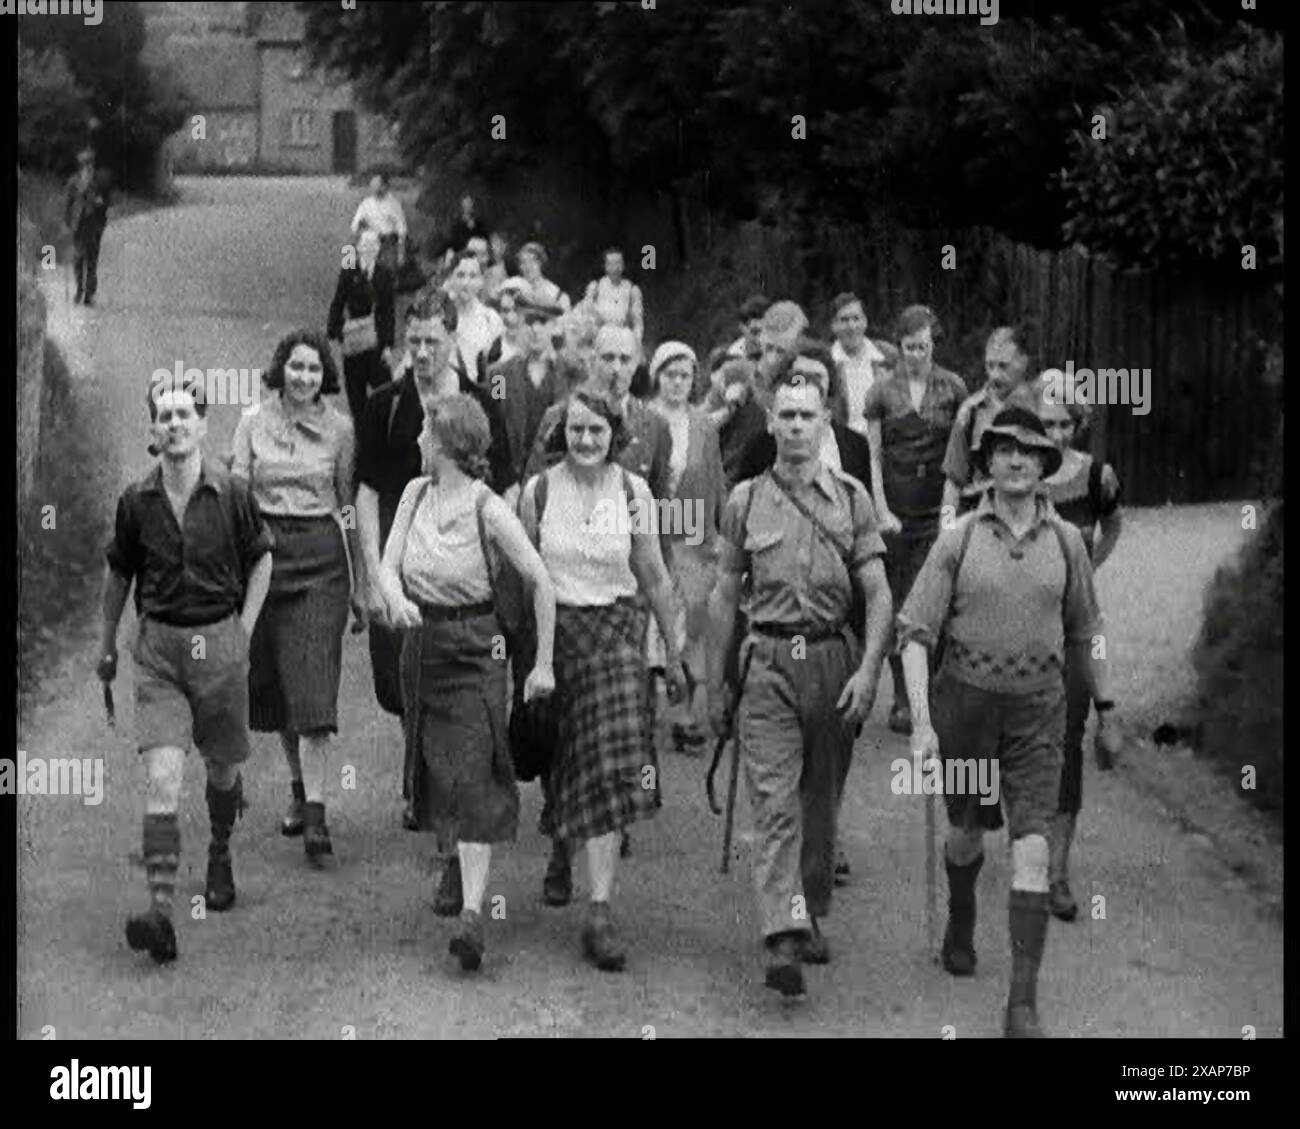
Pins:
x,y
966,535
817,523
1059,530
489,555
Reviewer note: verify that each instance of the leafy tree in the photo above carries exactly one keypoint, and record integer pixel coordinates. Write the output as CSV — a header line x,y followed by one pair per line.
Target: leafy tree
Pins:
x,y
52,110
1192,166
132,110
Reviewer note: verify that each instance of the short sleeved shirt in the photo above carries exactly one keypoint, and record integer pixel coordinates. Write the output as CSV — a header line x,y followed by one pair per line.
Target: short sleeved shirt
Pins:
x,y
196,571
913,443
796,578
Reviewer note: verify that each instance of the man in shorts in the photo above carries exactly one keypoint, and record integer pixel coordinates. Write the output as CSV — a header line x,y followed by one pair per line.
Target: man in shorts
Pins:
x,y
192,541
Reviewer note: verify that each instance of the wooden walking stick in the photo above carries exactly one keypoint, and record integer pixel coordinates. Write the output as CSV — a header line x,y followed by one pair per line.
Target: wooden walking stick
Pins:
x,y
930,867
731,803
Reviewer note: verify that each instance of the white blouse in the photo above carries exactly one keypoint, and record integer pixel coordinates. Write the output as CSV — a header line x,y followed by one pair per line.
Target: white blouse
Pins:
x,y
442,562
588,552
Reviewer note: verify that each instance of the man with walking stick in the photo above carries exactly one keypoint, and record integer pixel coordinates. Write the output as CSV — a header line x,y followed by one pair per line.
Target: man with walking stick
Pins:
x,y
803,535
1009,589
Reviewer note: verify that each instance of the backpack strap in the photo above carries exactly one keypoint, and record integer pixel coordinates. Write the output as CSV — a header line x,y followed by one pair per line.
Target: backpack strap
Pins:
x,y
489,553
966,535
1059,529
1094,488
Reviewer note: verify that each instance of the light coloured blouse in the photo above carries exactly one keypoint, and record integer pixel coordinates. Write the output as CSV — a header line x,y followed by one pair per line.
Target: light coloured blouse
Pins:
x,y
300,468
589,554
614,305
442,562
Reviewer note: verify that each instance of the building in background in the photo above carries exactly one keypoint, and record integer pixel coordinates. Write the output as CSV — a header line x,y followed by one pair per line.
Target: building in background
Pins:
x,y
264,107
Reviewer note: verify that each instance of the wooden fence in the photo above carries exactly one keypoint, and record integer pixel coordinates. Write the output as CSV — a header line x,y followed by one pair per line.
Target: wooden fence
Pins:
x,y
1212,415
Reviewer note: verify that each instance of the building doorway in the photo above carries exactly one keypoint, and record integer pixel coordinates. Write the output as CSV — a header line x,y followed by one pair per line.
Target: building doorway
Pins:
x,y
345,141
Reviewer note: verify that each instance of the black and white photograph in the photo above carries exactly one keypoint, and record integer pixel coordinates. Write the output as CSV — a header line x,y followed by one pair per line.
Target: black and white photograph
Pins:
x,y
651,520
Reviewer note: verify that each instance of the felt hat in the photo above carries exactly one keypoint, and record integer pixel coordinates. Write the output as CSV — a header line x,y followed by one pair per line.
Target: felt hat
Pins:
x,y
1026,429
671,351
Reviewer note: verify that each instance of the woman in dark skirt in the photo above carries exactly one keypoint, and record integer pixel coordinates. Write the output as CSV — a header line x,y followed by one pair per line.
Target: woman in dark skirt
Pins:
x,y
1085,491
437,580
296,451
361,318
600,556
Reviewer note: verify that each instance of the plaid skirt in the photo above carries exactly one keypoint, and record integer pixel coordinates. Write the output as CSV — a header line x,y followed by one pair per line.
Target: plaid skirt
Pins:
x,y
605,774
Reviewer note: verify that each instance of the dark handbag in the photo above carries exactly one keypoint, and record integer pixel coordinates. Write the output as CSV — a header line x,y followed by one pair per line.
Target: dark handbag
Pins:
x,y
533,731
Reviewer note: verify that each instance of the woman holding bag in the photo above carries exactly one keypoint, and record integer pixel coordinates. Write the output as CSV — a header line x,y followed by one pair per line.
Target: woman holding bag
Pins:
x,y
361,318
437,578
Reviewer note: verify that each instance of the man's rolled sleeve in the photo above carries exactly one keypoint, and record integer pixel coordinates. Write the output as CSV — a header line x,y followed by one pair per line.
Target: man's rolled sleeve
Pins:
x,y
255,540
956,459
731,543
1083,620
867,542
922,617
123,553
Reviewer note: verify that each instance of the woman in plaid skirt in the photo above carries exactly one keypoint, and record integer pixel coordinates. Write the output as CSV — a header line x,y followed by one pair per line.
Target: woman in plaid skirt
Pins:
x,y
600,546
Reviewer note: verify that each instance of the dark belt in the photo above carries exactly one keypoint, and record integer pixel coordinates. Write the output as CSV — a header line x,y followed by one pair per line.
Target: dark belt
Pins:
x,y
211,622
812,632
452,613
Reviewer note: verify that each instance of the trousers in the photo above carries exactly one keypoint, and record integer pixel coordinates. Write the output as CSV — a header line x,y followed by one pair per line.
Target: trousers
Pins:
x,y
796,750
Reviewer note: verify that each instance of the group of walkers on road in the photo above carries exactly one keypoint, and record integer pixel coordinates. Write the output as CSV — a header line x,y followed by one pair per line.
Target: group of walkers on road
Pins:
x,y
538,520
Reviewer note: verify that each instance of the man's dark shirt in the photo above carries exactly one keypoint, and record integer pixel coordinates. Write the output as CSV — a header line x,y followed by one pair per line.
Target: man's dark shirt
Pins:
x,y
855,455
388,450
197,576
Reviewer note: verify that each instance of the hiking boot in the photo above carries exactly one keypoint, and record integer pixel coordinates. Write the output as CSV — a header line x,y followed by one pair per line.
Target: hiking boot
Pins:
x,y
316,836
688,740
900,720
467,945
599,941
813,948
219,890
1022,1023
1062,904
294,817
154,931
450,898
783,971
958,954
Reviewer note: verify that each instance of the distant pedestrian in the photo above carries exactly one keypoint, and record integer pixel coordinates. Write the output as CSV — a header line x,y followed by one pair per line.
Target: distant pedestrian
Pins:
x,y
191,540
296,451
361,319
381,212
855,355
1085,492
541,290
85,214
467,224
1010,351
614,299
696,492
910,415
498,268
478,325
748,345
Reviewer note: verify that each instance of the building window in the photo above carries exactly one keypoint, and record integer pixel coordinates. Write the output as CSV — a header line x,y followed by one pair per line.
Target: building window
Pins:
x,y
302,128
